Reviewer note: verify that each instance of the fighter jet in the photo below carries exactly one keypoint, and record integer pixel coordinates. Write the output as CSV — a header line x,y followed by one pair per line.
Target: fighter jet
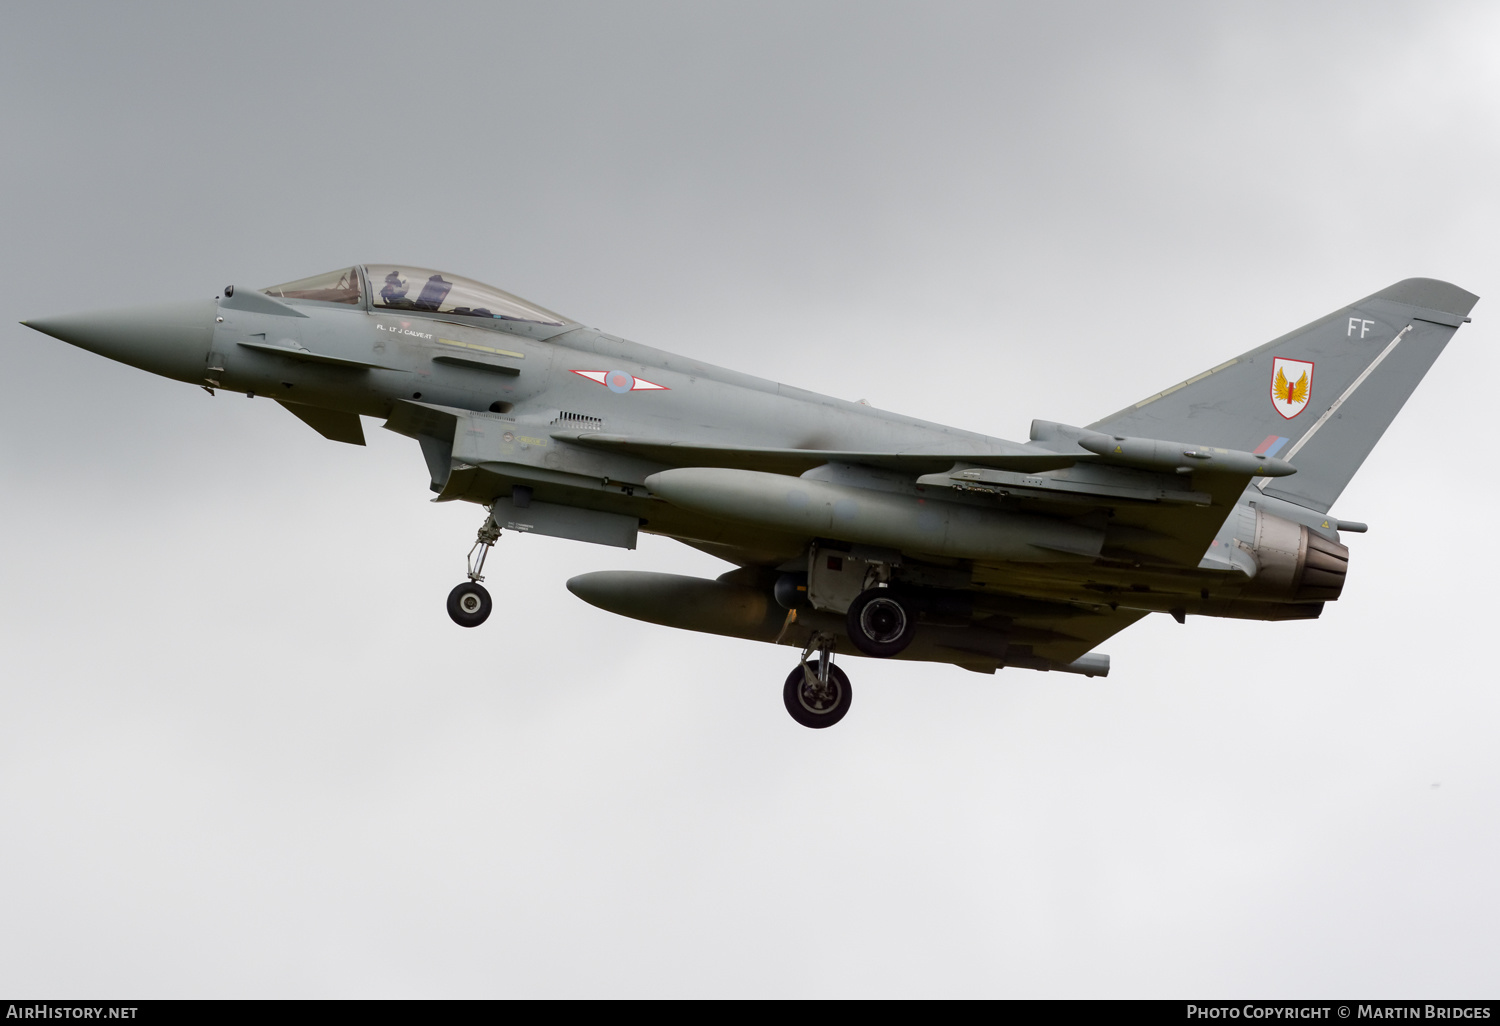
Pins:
x,y
852,530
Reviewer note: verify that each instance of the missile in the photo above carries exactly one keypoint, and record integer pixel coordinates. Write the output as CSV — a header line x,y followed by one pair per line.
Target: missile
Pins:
x,y
910,523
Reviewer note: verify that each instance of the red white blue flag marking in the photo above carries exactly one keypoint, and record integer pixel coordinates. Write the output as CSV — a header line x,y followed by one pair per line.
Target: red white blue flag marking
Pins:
x,y
1271,446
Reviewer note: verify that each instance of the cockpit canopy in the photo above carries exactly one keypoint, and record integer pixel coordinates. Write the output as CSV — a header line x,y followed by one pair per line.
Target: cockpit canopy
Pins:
x,y
402,287
333,287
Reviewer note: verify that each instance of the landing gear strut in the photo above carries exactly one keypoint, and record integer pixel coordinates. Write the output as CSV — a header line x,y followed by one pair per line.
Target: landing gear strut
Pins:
x,y
469,604
817,693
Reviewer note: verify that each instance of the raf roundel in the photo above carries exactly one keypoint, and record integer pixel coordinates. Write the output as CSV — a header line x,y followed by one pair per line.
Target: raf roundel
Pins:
x,y
620,382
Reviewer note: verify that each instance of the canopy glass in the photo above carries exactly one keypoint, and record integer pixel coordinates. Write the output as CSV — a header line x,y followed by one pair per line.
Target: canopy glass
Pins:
x,y
395,287
403,287
333,287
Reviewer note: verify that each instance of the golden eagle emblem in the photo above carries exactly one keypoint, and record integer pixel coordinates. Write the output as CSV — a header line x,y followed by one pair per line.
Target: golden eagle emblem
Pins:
x,y
1290,392
1291,385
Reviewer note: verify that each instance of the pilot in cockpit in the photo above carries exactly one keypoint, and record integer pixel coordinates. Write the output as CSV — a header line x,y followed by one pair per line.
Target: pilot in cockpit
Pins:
x,y
394,291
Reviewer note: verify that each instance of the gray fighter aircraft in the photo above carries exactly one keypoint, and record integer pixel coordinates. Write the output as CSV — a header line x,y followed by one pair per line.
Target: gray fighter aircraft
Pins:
x,y
854,530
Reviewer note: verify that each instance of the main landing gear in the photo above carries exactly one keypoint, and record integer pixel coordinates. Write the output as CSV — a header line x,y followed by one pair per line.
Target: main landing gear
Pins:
x,y
469,604
880,623
817,693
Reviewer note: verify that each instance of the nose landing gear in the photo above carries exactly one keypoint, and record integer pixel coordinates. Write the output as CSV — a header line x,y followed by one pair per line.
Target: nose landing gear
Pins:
x,y
817,694
469,604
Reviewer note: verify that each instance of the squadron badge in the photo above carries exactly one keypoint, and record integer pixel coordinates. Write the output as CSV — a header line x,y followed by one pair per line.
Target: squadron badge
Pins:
x,y
1291,385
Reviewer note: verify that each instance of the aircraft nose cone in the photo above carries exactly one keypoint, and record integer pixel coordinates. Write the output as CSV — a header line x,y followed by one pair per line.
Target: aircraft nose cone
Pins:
x,y
171,339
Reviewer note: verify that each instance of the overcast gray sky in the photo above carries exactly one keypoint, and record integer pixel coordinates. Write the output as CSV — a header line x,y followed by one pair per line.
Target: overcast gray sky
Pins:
x,y
244,752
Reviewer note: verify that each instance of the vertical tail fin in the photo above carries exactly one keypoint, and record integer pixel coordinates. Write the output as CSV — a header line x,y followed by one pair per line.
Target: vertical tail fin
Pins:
x,y
1320,396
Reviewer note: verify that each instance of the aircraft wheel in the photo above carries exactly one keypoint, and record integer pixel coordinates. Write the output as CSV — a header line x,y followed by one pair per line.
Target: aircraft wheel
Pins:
x,y
879,624
469,604
811,705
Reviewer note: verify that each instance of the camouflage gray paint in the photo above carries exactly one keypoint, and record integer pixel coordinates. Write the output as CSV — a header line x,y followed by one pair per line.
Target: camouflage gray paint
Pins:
x,y
855,530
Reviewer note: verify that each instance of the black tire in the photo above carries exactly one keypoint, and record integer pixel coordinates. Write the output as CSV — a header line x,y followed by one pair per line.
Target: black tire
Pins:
x,y
469,604
879,623
811,709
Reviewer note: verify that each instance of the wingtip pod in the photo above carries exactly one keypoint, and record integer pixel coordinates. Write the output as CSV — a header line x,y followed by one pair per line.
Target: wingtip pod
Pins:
x,y
1095,664
1156,454
1429,294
